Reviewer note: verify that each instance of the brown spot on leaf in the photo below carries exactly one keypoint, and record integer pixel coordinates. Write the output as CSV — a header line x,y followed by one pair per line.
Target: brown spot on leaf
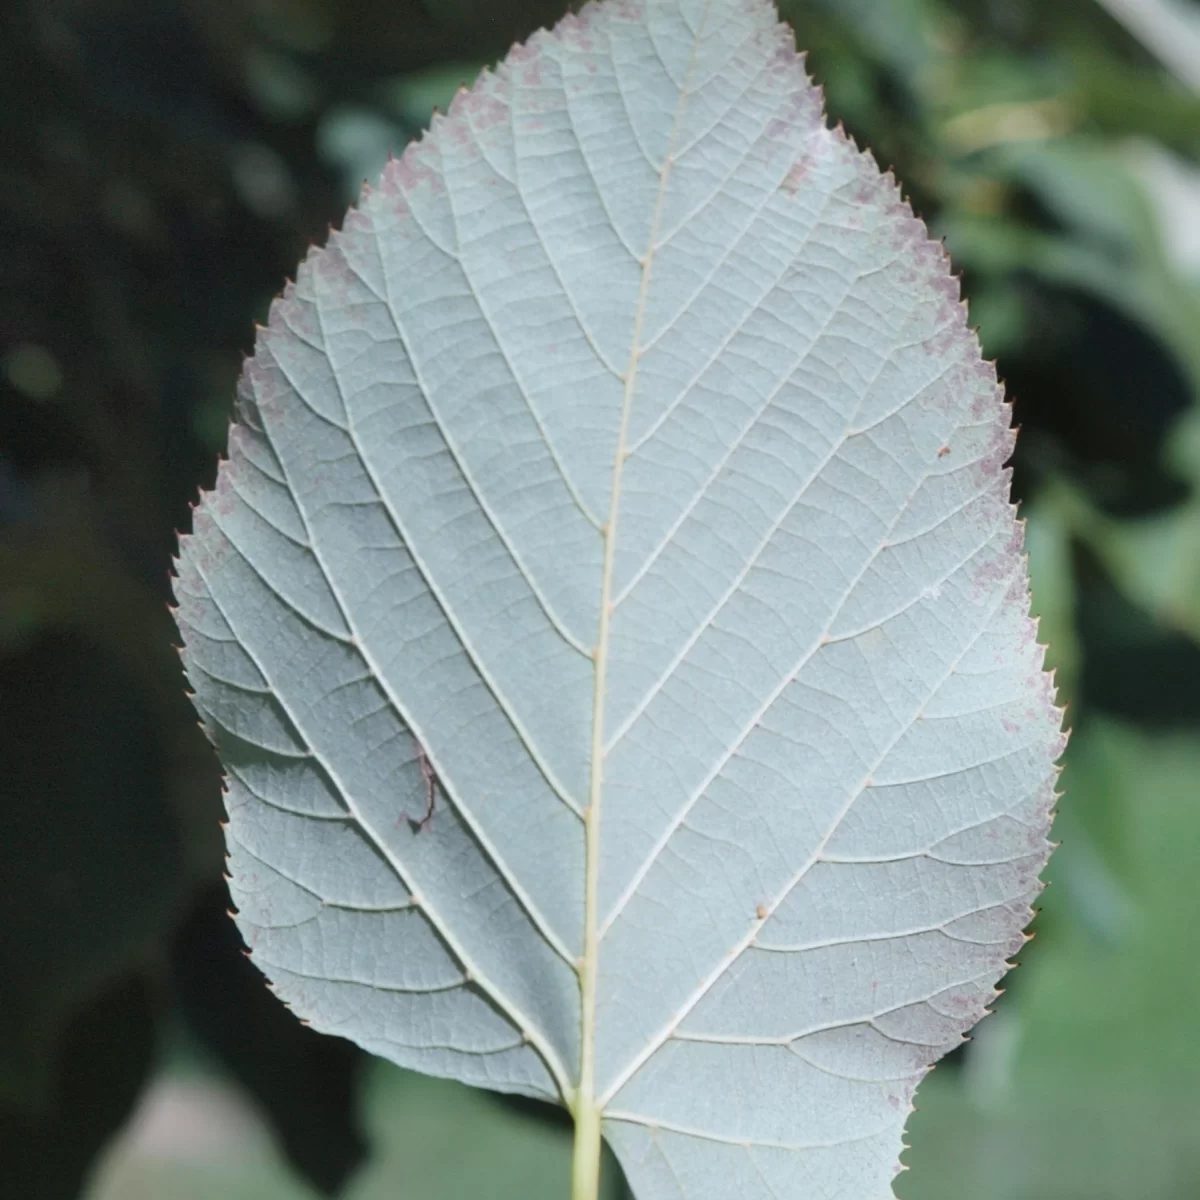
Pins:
x,y
795,177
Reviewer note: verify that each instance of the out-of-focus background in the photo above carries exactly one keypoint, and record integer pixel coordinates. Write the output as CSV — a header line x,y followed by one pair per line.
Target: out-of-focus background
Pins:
x,y
163,166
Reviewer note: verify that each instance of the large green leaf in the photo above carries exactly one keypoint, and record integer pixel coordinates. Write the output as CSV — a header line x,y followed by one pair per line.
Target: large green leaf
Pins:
x,y
624,478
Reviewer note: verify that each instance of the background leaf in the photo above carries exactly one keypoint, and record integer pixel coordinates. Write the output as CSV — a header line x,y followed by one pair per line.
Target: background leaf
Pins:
x,y
1070,1080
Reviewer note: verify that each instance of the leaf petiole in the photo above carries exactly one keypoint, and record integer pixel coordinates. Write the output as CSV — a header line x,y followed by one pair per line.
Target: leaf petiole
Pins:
x,y
585,1169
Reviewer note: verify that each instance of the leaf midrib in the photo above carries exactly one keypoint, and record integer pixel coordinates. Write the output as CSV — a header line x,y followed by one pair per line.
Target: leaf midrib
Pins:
x,y
585,1099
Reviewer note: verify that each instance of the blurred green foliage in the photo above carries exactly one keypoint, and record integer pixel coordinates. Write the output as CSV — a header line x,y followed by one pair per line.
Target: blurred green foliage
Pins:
x,y
162,168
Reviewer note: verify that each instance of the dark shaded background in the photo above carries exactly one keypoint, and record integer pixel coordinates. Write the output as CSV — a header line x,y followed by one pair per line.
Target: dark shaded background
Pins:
x,y
163,166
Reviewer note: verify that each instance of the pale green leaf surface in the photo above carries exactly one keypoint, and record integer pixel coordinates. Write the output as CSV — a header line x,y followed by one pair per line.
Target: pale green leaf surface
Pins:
x,y
627,451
